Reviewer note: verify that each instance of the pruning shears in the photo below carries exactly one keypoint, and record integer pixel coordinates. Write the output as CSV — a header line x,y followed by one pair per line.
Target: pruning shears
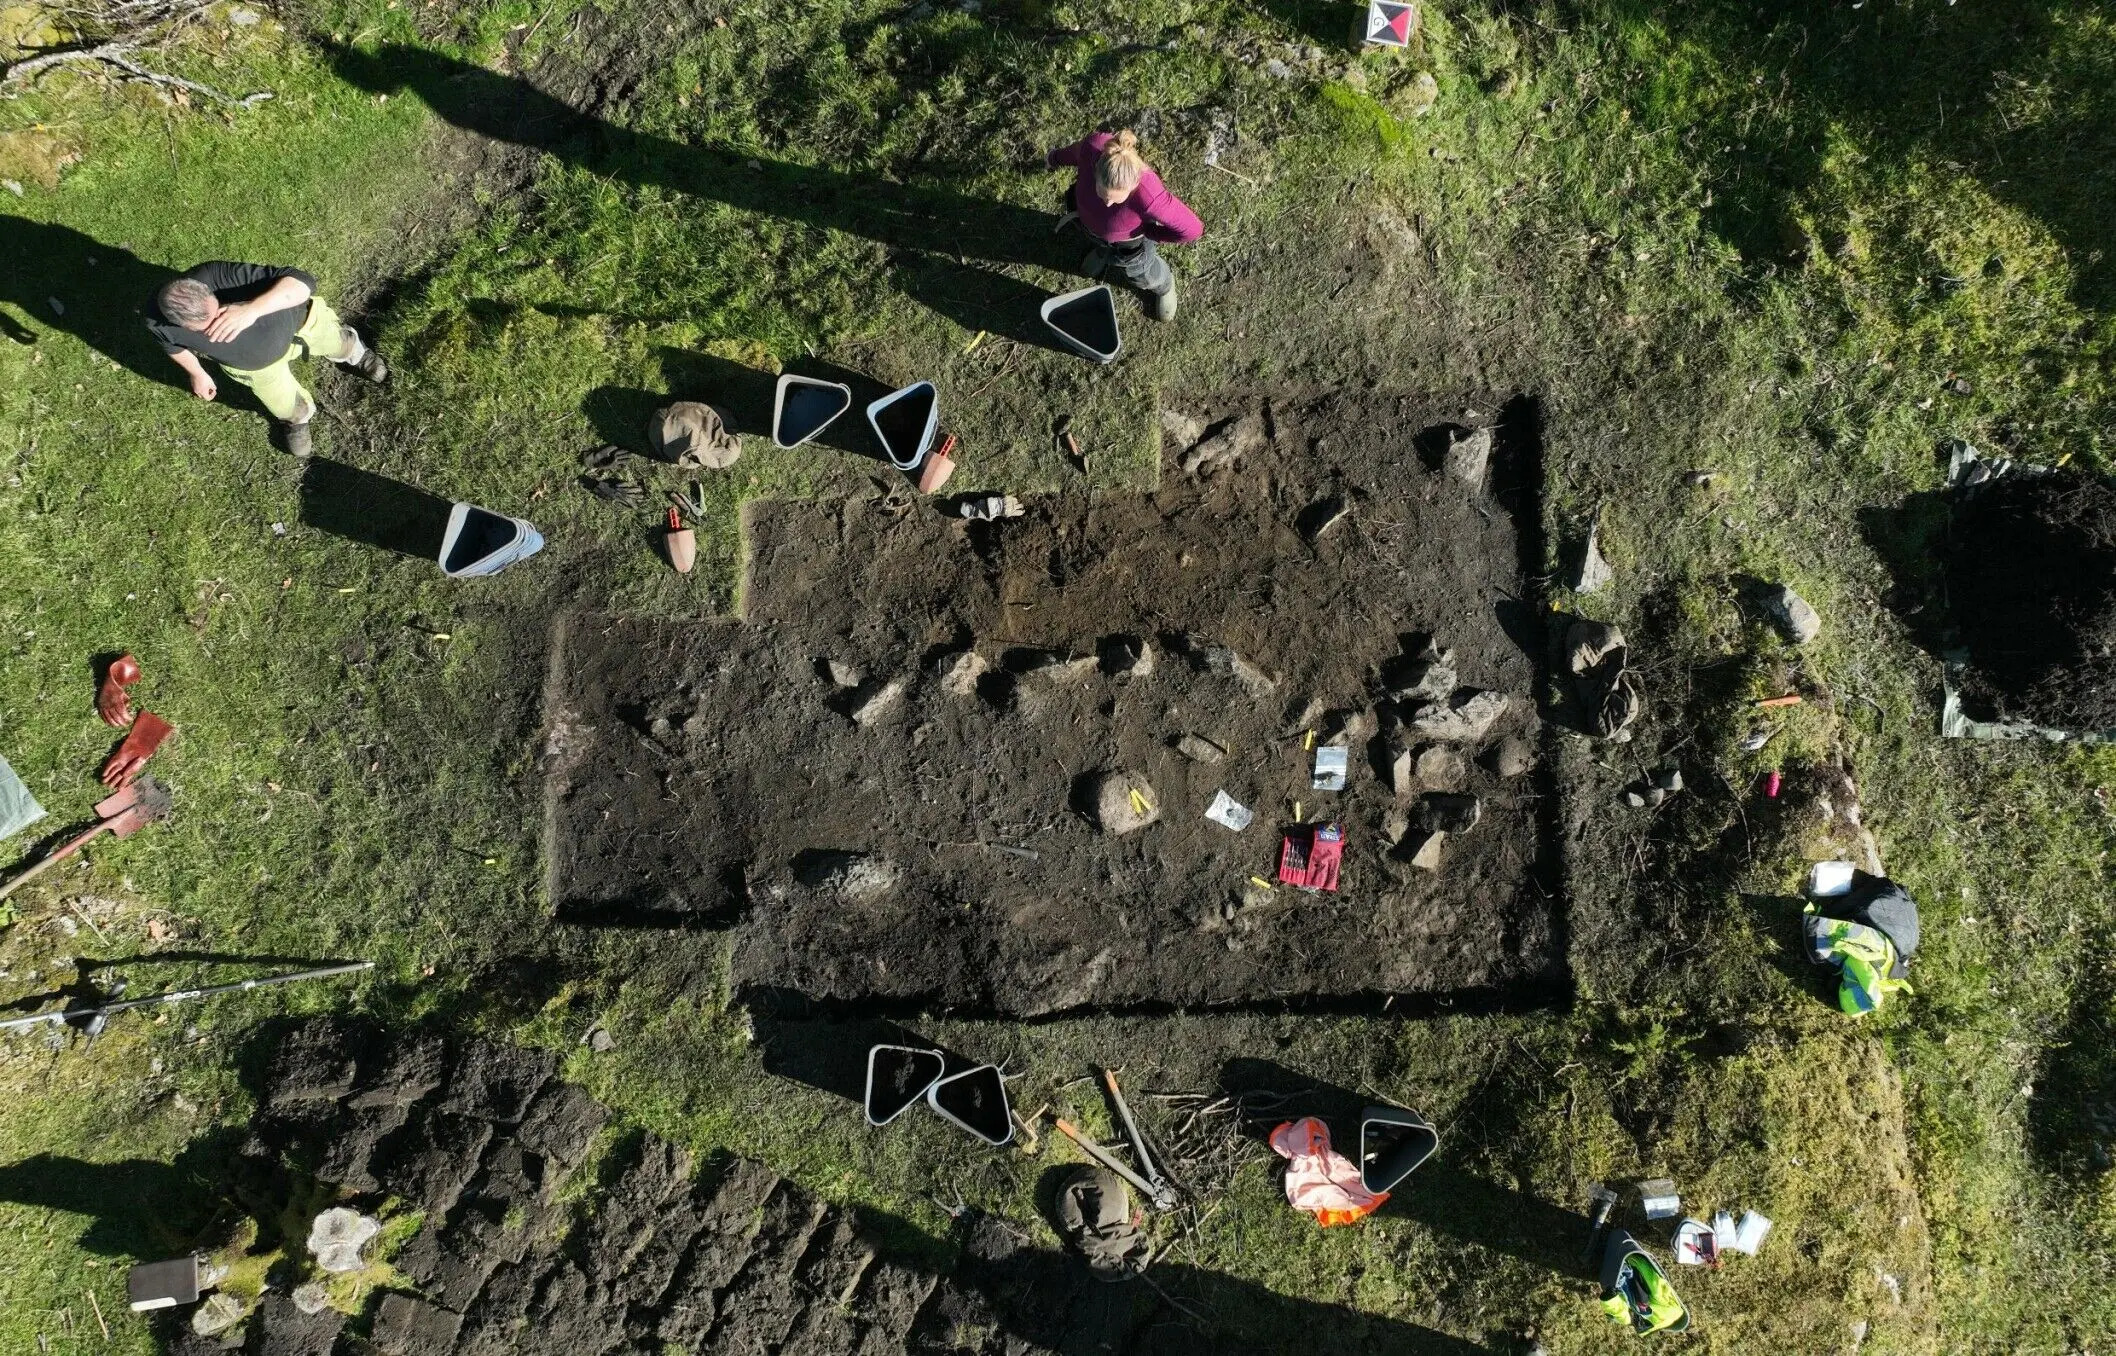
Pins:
x,y
1150,1181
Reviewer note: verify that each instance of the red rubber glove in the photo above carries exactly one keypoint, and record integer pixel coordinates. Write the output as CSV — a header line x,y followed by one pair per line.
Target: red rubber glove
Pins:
x,y
145,736
113,703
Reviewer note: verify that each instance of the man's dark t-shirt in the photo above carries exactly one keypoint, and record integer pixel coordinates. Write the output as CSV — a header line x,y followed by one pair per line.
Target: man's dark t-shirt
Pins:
x,y
259,346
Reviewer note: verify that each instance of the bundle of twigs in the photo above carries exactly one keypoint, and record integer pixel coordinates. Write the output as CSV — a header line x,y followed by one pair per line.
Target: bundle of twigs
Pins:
x,y
115,36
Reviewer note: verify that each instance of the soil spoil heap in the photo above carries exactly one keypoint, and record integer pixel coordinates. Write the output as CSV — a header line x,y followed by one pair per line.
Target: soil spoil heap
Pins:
x,y
2031,580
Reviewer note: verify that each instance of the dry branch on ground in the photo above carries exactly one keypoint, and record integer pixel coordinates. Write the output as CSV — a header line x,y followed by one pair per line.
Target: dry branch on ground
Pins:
x,y
115,36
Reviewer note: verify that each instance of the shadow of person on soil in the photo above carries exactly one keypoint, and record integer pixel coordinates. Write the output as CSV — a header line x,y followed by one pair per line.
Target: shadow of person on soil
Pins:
x,y
1051,1300
938,222
1468,1209
105,290
1909,537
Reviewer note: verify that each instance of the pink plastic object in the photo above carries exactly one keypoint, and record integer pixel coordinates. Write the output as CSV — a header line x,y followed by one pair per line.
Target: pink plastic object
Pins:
x,y
113,703
139,744
1319,1180
1309,857
1771,783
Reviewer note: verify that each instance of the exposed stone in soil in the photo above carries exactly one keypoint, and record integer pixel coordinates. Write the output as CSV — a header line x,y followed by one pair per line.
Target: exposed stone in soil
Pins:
x,y
1510,757
1124,802
2031,584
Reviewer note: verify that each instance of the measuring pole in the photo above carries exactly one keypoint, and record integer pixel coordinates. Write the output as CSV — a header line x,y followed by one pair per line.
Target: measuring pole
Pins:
x,y
179,996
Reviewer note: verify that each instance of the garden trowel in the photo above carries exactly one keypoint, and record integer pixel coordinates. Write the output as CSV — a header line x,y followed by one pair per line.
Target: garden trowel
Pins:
x,y
120,814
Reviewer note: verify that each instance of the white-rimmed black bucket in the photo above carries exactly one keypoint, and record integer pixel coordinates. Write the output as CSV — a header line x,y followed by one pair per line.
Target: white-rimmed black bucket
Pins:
x,y
1392,1143
803,407
481,542
1086,321
898,1077
976,1101
904,421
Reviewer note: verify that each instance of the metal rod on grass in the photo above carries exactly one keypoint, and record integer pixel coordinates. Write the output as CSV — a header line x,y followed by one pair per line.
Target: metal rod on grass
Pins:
x,y
180,996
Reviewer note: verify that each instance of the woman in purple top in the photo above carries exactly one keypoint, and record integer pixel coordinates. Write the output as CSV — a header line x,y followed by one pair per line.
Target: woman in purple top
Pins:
x,y
1123,204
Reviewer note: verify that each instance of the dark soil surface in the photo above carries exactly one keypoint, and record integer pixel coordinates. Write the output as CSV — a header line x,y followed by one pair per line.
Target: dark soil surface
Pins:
x,y
2031,583
808,777
666,1254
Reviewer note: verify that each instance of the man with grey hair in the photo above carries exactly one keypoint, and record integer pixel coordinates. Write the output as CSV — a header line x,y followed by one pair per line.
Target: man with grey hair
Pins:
x,y
253,320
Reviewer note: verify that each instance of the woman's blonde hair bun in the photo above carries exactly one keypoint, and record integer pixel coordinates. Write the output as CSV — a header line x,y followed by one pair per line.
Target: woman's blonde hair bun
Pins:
x,y
1121,165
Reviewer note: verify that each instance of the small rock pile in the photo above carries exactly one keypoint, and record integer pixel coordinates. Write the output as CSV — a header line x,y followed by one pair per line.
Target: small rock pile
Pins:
x,y
1435,725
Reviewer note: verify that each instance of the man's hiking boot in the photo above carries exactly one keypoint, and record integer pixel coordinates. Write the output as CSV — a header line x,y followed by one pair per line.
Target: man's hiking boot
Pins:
x,y
1161,305
294,433
371,366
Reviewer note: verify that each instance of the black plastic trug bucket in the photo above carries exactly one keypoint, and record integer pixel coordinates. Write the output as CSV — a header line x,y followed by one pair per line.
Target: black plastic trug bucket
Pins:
x,y
897,1077
1087,321
904,421
976,1100
1392,1143
804,407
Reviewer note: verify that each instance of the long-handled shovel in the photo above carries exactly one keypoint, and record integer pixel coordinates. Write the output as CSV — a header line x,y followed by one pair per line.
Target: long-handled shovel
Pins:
x,y
120,814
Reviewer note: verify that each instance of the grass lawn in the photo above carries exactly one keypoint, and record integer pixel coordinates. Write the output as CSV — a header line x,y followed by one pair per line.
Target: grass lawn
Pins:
x,y
1797,246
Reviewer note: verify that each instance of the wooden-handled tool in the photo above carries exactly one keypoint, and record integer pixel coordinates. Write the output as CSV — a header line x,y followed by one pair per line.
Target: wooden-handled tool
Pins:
x,y
120,815
681,543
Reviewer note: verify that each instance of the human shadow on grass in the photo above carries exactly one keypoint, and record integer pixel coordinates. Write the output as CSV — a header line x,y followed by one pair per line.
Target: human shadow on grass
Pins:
x,y
103,290
1051,1300
935,221
2072,1112
373,510
1445,1199
135,1207
1910,537
1781,919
